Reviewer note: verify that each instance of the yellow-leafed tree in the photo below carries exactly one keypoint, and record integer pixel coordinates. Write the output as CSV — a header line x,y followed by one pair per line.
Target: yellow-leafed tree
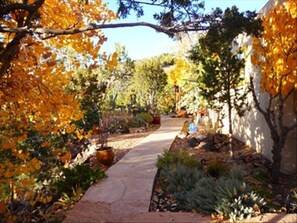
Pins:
x,y
34,74
275,53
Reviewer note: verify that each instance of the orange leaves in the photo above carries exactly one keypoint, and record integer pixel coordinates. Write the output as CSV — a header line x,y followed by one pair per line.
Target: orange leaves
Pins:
x,y
111,61
276,52
65,158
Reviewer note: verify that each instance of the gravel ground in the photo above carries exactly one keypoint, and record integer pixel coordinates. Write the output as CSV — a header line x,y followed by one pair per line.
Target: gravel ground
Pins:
x,y
123,143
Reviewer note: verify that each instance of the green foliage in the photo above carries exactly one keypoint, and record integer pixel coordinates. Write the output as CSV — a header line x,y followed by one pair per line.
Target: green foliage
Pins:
x,y
183,157
80,176
196,189
166,100
216,168
188,160
136,122
261,175
179,179
229,187
241,207
166,159
236,200
149,80
91,89
202,197
145,117
183,10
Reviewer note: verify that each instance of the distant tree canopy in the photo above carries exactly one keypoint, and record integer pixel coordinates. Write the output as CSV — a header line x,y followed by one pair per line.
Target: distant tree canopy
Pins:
x,y
149,79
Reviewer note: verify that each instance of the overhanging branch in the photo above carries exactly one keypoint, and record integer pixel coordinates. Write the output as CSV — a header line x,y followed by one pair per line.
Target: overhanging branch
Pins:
x,y
57,32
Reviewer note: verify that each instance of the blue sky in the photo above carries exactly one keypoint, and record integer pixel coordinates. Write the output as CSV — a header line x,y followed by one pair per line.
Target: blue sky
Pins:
x,y
144,42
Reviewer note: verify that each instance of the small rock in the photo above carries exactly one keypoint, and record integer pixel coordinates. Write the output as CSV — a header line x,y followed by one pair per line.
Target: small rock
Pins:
x,y
193,142
182,135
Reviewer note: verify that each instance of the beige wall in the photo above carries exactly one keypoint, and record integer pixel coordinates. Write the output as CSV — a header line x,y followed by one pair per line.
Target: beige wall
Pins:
x,y
252,128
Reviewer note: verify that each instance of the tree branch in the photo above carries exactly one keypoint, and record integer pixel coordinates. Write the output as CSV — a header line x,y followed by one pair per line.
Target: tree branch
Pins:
x,y
292,126
57,32
257,103
16,6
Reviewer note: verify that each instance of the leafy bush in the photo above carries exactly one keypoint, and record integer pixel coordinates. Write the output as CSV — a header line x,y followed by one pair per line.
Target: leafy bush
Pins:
x,y
166,159
136,122
179,179
196,189
243,206
216,168
202,197
80,176
189,160
145,117
185,158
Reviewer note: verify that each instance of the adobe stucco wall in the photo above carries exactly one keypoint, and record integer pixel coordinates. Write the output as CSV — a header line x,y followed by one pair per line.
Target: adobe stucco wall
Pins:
x,y
252,128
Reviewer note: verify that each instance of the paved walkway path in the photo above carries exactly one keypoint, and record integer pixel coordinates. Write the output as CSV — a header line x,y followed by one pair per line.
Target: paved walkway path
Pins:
x,y
126,192
125,195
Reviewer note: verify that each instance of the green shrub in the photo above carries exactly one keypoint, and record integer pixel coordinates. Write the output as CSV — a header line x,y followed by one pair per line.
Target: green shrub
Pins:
x,y
194,189
189,160
216,168
80,176
148,118
241,207
202,197
230,187
178,178
237,172
166,159
261,175
136,122
185,158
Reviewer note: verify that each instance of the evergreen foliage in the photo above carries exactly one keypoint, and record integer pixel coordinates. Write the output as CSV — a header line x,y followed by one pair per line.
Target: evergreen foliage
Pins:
x,y
216,168
202,197
178,179
193,189
169,157
240,207
80,176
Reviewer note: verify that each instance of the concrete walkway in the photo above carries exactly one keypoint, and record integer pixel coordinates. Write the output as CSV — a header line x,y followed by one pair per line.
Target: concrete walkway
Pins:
x,y
125,195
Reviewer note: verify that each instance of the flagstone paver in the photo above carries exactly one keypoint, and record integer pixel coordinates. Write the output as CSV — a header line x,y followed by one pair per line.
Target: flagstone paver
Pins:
x,y
125,195
127,190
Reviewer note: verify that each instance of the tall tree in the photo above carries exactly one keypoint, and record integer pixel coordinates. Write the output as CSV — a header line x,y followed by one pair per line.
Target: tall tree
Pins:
x,y
222,76
33,83
275,53
119,77
150,79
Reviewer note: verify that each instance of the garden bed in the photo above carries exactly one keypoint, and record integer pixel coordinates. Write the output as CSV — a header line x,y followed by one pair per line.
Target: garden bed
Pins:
x,y
212,152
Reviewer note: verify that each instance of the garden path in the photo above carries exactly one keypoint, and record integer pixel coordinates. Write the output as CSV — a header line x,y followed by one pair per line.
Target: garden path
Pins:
x,y
125,195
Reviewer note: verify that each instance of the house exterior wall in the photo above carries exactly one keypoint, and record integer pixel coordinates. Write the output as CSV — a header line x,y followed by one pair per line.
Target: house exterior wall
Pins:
x,y
252,127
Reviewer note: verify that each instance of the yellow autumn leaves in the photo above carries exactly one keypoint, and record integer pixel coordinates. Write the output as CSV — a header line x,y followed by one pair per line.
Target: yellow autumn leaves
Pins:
x,y
33,92
276,52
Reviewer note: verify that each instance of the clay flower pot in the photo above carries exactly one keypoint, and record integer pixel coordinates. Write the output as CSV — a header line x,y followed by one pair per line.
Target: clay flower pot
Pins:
x,y
157,120
105,156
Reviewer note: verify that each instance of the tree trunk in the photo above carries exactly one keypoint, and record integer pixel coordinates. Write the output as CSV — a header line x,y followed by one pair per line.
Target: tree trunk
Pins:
x,y
230,130
278,145
230,116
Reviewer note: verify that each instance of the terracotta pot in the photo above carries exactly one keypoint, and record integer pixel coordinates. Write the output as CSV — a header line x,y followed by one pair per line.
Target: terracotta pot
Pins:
x,y
156,120
105,156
